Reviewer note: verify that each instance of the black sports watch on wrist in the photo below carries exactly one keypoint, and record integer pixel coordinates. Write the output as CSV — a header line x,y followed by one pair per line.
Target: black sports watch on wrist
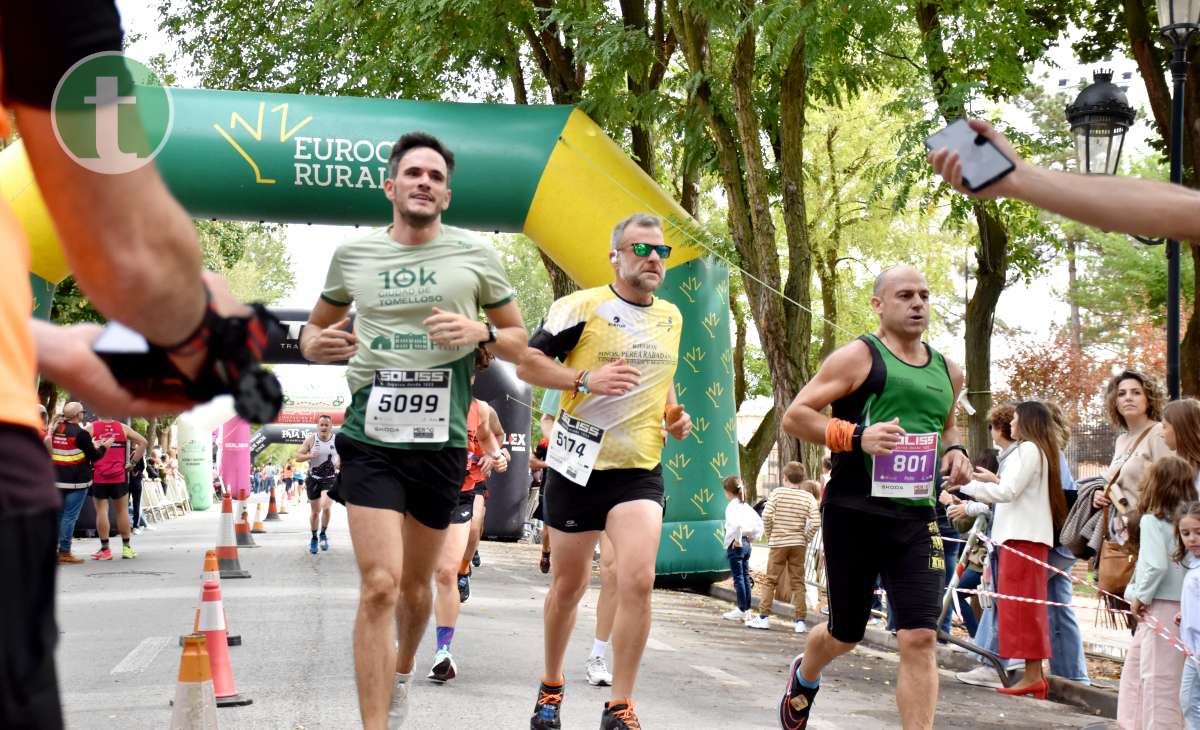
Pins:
x,y
491,334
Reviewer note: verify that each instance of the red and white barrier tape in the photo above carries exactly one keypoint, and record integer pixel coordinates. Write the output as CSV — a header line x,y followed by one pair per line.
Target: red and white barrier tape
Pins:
x,y
1155,627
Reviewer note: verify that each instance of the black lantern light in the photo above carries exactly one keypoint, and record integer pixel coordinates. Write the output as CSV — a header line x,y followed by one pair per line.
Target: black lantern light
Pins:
x,y
1099,118
1177,19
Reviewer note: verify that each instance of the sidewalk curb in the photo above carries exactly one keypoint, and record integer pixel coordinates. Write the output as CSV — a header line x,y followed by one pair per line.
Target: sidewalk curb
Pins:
x,y
1092,700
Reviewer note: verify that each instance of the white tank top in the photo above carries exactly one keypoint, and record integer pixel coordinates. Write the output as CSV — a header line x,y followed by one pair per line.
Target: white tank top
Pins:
x,y
322,452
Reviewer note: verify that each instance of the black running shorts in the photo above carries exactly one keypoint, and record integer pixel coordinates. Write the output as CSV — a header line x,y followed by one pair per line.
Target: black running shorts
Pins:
x,y
421,483
465,509
28,633
314,487
572,508
110,491
906,554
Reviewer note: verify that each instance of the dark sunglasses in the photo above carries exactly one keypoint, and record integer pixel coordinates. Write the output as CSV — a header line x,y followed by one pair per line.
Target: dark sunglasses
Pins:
x,y
644,249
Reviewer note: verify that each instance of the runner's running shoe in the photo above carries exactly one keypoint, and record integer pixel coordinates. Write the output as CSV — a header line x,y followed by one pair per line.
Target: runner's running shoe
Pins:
x,y
324,542
619,716
398,710
546,709
102,554
127,552
464,588
444,669
475,559
597,672
797,700
544,563
312,546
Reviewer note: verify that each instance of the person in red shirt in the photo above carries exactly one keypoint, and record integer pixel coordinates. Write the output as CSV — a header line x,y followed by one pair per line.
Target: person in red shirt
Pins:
x,y
110,481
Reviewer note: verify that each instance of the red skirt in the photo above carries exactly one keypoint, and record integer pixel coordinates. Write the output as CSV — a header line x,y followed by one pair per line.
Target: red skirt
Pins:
x,y
1024,627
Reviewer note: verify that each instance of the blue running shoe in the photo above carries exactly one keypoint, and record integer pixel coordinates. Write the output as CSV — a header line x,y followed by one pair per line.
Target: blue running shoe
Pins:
x,y
464,588
324,542
546,709
312,546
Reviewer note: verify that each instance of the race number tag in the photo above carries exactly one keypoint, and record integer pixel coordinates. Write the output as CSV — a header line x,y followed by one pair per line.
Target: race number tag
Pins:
x,y
908,472
409,406
574,447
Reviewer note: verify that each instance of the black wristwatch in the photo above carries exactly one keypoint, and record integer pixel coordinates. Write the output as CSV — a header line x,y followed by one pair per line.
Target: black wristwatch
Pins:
x,y
956,447
491,334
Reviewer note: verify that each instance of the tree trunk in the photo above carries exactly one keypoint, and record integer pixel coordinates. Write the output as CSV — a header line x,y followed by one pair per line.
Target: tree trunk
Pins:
x,y
48,395
739,350
753,454
990,279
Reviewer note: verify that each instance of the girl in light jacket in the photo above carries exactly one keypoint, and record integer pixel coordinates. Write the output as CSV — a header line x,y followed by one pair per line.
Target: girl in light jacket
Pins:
x,y
1030,509
1150,678
1187,532
742,525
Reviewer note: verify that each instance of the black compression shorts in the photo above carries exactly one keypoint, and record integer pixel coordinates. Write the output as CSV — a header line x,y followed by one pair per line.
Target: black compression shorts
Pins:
x,y
906,554
421,483
572,508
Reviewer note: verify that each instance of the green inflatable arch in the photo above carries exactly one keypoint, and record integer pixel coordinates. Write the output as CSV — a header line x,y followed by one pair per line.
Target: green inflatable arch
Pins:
x,y
546,171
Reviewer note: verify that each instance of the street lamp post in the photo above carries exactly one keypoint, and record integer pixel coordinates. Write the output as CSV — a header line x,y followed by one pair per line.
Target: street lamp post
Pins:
x,y
1099,118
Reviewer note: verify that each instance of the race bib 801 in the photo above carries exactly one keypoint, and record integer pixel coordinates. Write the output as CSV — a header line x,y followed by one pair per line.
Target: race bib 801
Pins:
x,y
908,472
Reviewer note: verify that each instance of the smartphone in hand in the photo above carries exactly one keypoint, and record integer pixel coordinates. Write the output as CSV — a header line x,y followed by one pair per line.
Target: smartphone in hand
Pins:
x,y
141,370
982,162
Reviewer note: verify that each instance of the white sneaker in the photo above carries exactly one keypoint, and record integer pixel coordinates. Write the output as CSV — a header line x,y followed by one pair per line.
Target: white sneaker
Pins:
x,y
759,622
801,627
735,614
597,672
398,710
981,676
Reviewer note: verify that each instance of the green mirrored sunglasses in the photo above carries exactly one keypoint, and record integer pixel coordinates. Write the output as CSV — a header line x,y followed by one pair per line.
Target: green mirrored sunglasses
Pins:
x,y
644,249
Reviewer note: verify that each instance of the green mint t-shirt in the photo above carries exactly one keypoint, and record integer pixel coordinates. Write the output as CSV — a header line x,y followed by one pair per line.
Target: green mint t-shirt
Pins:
x,y
395,287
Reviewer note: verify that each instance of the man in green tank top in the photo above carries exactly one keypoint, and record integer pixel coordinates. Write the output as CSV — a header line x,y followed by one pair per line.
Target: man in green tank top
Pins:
x,y
419,287
893,399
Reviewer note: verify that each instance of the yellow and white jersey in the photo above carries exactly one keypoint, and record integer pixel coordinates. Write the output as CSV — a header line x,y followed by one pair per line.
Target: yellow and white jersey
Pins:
x,y
592,327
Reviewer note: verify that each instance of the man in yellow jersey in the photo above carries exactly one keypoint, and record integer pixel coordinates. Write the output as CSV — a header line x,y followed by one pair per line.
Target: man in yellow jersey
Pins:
x,y
893,401
618,346
134,253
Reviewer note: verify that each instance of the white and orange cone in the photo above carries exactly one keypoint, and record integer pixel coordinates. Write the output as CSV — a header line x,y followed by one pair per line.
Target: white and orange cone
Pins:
x,y
211,572
227,547
195,705
242,530
273,507
258,525
212,625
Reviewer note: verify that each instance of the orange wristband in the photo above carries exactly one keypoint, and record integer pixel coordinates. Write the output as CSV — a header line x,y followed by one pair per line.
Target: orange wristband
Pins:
x,y
839,435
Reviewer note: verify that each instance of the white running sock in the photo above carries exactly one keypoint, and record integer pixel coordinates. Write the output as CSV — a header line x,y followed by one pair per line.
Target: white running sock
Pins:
x,y
598,648
403,678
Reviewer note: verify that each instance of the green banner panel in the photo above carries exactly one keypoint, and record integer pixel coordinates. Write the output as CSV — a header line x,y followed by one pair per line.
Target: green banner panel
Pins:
x,y
693,525
309,159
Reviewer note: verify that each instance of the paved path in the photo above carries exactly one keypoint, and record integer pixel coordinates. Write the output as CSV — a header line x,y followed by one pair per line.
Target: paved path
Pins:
x,y
118,655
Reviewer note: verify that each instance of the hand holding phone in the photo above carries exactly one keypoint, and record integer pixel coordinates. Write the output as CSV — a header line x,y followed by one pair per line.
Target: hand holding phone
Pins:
x,y
982,161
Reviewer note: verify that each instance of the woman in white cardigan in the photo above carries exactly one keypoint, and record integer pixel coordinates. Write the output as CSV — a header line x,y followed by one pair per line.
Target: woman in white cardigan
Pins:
x,y
1030,509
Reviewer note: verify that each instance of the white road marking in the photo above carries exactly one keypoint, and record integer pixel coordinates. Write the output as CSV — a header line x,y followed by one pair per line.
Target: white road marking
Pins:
x,y
655,644
142,655
721,675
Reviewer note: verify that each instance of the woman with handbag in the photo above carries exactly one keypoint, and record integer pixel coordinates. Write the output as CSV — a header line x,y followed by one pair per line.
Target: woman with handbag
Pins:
x,y
1150,678
1133,403
1030,509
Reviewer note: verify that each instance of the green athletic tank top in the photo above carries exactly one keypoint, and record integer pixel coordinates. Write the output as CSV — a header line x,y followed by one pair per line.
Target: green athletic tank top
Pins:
x,y
921,396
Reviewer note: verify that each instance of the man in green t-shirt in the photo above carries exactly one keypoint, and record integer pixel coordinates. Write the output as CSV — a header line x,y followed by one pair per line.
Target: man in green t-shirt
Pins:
x,y
418,287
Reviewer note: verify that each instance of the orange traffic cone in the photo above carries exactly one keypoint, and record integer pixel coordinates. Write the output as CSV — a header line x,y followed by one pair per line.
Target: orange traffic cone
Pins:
x,y
272,508
211,572
227,547
212,625
242,530
195,704
258,525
